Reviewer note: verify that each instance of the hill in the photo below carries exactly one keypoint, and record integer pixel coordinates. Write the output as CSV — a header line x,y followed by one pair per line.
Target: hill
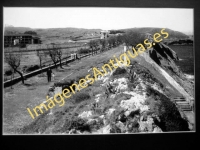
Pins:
x,y
173,34
129,99
61,35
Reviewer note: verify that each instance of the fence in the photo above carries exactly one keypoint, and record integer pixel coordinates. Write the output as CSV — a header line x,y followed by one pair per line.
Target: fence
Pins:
x,y
33,73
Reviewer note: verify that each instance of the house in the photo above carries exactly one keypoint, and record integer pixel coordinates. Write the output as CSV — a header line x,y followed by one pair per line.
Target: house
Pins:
x,y
104,34
17,39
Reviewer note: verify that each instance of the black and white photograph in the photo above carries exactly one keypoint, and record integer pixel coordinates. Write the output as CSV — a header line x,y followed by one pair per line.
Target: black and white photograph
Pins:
x,y
98,70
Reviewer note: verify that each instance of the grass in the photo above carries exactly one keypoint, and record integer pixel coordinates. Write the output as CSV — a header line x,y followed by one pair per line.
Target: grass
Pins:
x,y
16,100
166,110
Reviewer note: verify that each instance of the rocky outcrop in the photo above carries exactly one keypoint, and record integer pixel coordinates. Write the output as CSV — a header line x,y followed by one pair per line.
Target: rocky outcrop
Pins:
x,y
137,98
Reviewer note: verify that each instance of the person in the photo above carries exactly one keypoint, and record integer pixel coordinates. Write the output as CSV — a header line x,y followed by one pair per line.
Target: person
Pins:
x,y
49,74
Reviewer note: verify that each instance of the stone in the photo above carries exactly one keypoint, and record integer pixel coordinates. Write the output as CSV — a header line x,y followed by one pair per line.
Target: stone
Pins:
x,y
121,126
85,114
157,130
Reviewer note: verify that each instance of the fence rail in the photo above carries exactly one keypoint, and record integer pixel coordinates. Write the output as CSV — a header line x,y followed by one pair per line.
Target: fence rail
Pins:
x,y
33,50
33,73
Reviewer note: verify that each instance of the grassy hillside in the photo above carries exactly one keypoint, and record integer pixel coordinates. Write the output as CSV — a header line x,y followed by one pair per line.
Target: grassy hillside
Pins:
x,y
173,34
63,35
54,35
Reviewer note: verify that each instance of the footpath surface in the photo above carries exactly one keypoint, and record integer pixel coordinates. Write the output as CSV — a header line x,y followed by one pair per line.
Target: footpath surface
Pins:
x,y
17,100
33,93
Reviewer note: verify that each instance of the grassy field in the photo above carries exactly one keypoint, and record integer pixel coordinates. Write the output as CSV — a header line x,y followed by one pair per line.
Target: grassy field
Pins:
x,y
186,56
31,58
34,91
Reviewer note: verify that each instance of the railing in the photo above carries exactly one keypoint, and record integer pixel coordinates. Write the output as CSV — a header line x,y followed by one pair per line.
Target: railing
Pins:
x,y
33,50
33,73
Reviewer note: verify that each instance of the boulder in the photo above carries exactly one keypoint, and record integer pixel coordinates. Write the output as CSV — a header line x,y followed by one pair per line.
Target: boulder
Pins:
x,y
121,126
85,114
157,130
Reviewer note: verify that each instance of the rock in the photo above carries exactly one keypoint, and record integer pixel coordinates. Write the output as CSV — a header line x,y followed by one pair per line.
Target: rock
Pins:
x,y
146,126
157,130
105,79
72,131
134,103
58,90
113,96
92,121
102,116
110,111
85,114
86,132
122,117
121,126
106,129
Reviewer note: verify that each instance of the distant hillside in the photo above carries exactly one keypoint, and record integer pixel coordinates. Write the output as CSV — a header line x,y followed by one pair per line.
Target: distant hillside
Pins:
x,y
57,35
63,35
173,34
53,31
15,30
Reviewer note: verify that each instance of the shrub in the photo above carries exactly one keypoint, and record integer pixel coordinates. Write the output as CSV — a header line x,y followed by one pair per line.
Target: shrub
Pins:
x,y
79,124
32,68
40,124
8,72
22,45
119,71
168,113
83,51
81,96
97,90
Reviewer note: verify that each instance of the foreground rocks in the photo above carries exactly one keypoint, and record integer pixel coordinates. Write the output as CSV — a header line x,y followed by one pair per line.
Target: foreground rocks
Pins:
x,y
133,99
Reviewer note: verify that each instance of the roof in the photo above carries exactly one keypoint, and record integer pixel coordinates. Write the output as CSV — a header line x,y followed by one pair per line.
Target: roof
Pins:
x,y
105,31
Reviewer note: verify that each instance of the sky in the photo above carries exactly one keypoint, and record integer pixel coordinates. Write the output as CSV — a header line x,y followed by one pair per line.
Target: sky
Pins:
x,y
99,18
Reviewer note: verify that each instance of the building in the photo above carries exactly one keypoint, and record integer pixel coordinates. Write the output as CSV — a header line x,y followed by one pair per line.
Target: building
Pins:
x,y
19,39
104,34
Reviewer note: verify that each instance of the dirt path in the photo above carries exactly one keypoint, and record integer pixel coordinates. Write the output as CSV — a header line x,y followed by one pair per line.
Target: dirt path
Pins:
x,y
33,93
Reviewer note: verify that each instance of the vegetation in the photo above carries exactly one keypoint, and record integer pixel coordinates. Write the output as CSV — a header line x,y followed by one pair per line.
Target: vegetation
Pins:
x,y
53,53
41,55
13,61
83,51
187,41
30,32
32,68
168,113
81,96
116,31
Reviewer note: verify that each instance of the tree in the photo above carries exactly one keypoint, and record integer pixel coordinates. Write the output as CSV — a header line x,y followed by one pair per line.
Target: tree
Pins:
x,y
53,54
103,44
119,39
41,55
132,38
30,32
111,41
13,61
96,45
59,55
92,45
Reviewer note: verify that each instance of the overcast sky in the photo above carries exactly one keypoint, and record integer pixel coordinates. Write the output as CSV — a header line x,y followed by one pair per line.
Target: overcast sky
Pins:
x,y
99,18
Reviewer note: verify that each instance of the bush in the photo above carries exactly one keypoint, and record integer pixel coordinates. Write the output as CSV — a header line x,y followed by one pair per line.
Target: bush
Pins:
x,y
8,72
119,71
22,45
97,90
84,51
32,68
168,113
81,96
